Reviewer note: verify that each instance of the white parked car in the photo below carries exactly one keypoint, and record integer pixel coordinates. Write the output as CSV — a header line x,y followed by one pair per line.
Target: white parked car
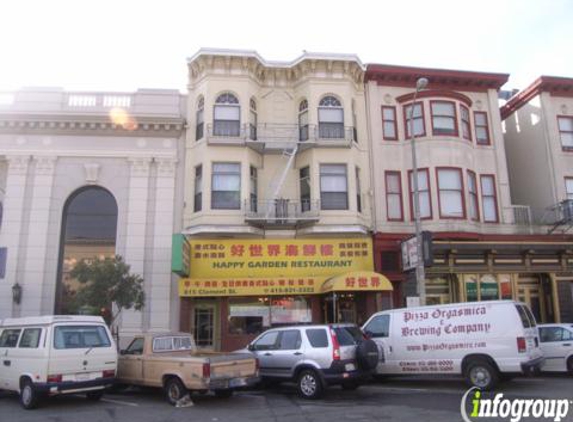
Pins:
x,y
50,355
483,341
557,345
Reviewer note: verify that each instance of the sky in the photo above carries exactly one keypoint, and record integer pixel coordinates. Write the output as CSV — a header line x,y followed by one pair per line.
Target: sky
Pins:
x,y
121,45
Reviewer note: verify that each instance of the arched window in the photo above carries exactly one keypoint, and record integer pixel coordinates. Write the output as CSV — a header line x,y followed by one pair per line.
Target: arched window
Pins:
x,y
253,119
199,118
89,230
330,118
303,121
227,116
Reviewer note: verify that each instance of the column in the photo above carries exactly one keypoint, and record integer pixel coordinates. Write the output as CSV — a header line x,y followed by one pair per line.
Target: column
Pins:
x,y
11,233
33,278
134,255
159,295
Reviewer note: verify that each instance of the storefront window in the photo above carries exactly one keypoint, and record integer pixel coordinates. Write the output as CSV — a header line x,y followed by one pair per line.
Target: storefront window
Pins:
x,y
505,286
254,315
471,288
487,287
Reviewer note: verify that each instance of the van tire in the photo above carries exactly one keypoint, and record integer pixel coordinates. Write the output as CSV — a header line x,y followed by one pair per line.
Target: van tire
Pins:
x,y
570,365
175,390
482,374
94,395
309,384
29,396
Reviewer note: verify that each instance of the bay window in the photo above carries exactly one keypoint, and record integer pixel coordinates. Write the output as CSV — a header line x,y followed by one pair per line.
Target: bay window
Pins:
x,y
482,128
473,196
333,187
226,186
417,116
394,208
330,118
489,199
450,193
568,188
389,124
424,194
444,118
566,132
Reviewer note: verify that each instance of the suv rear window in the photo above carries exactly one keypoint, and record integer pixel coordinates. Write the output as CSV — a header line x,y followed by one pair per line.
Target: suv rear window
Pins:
x,y
523,316
317,337
348,336
80,336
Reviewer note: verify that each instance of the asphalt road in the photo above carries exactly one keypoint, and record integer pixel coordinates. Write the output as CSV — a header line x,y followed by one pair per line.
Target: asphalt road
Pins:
x,y
396,399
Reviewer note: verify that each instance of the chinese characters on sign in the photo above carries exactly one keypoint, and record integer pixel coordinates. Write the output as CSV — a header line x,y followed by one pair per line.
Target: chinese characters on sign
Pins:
x,y
250,287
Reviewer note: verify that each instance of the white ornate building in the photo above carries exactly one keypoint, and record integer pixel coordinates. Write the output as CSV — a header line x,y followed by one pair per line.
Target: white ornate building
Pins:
x,y
84,174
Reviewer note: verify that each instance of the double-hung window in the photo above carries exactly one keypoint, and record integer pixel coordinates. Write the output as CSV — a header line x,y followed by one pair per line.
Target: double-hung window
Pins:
x,y
416,114
424,194
333,187
482,128
227,120
389,126
394,208
489,199
466,126
199,117
473,196
566,132
444,118
450,193
198,199
226,186
254,189
330,118
304,183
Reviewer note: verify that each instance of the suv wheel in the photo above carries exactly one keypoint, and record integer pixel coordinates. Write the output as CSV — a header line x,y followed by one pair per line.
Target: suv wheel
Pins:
x,y
480,373
28,395
309,384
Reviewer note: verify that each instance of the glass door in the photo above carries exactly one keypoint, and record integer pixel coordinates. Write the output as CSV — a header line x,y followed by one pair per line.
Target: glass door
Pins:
x,y
205,326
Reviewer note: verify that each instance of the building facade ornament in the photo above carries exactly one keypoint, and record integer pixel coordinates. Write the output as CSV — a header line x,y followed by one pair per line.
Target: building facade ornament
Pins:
x,y
45,165
92,172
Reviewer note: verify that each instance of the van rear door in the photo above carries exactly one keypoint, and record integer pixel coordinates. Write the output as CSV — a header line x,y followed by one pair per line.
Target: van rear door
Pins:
x,y
530,343
81,352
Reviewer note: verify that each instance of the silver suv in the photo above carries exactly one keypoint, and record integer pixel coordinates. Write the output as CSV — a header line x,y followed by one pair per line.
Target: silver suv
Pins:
x,y
315,356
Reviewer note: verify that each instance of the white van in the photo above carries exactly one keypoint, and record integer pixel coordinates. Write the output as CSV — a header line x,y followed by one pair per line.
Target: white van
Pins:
x,y
52,355
483,341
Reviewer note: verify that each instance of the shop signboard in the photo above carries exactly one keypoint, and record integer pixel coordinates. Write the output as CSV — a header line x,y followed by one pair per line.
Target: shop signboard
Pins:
x,y
255,286
409,248
180,255
292,258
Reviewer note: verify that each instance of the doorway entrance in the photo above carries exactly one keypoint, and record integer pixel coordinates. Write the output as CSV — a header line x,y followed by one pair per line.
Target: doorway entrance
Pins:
x,y
536,292
205,325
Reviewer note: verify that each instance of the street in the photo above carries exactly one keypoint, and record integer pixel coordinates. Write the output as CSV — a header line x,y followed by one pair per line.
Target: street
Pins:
x,y
396,399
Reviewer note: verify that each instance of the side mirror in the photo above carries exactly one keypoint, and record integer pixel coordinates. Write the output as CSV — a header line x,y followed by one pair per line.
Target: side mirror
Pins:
x,y
251,347
368,334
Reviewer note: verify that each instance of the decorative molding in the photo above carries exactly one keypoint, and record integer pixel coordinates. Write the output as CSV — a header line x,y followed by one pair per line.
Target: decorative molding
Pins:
x,y
140,166
92,172
45,165
166,166
18,164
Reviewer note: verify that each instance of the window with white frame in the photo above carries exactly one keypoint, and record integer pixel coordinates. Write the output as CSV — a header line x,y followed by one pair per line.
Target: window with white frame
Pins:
x,y
227,116
198,199
394,208
424,194
489,199
444,118
450,193
473,196
416,114
333,187
466,125
199,117
566,132
226,186
303,121
330,118
253,119
568,188
481,127
389,124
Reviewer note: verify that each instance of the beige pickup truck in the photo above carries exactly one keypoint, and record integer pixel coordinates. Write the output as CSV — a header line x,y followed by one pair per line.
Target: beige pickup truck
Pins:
x,y
172,361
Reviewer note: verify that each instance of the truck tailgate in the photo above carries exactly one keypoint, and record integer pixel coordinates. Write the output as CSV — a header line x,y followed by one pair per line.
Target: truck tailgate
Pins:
x,y
232,365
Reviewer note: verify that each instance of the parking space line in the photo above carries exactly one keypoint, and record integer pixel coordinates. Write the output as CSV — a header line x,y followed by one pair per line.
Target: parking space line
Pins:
x,y
125,403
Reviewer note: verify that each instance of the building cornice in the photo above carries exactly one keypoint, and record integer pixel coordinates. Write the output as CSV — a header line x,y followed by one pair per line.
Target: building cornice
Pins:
x,y
555,86
459,80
